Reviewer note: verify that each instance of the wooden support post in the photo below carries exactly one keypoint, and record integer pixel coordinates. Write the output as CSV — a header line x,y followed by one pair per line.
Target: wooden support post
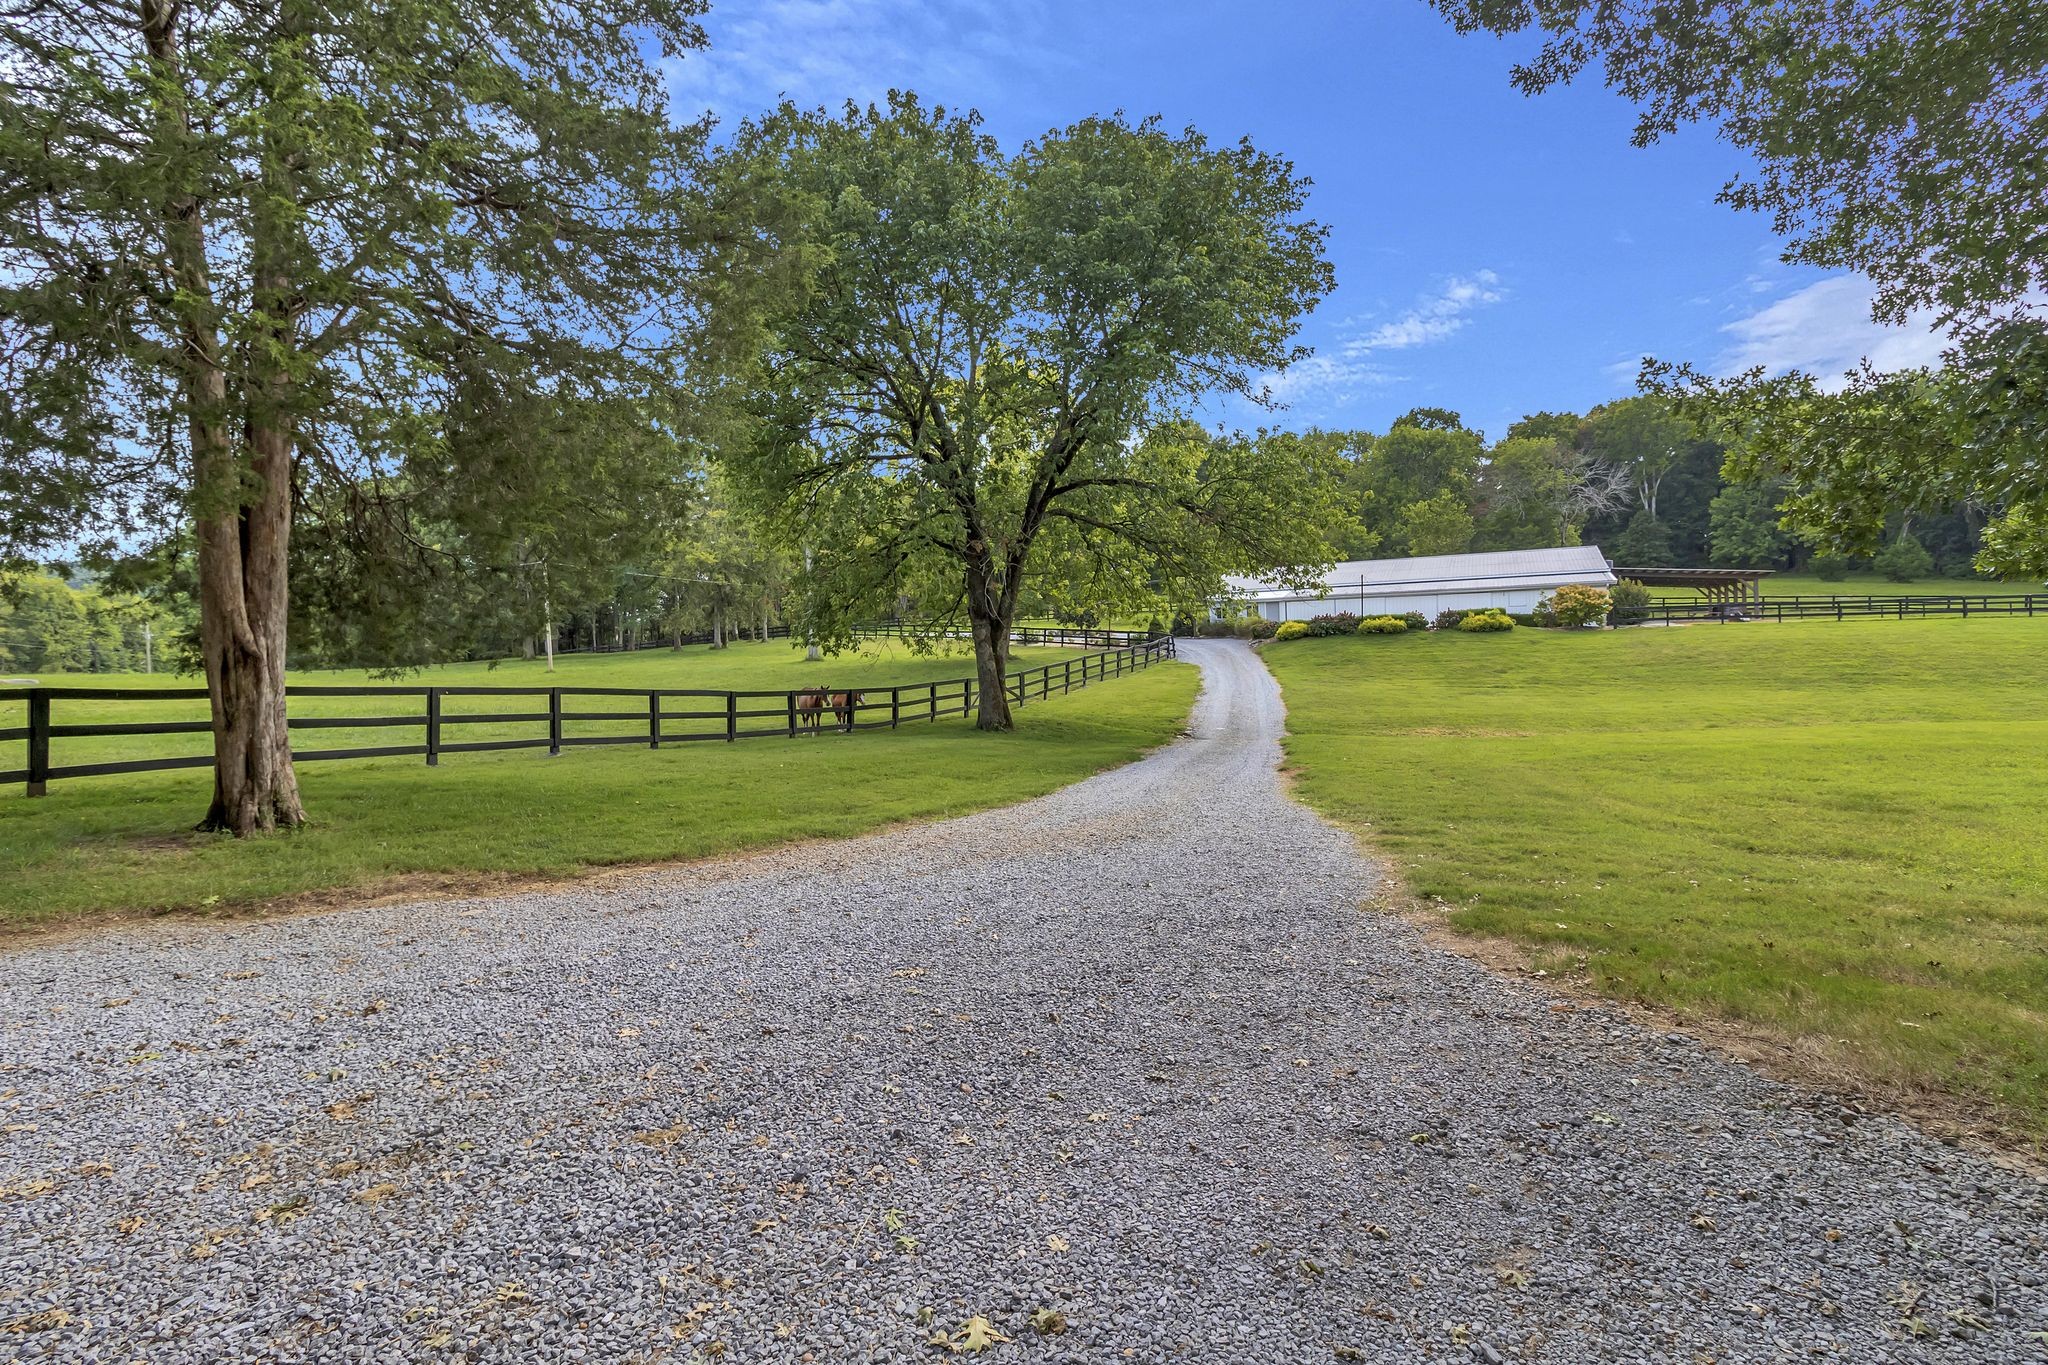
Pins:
x,y
433,727
38,742
654,720
895,706
732,716
791,698
932,712
554,722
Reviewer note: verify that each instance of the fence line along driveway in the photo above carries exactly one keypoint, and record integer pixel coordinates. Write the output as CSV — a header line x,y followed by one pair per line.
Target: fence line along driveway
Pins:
x,y
1124,1073
690,713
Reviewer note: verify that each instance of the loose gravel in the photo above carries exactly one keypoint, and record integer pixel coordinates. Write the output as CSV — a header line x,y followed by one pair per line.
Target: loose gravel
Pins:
x,y
1125,1073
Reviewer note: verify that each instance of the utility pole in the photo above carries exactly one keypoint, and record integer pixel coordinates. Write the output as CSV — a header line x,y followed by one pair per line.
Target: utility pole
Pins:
x,y
810,640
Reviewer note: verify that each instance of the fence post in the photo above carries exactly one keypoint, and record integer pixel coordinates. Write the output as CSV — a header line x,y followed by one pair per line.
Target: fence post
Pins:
x,y
895,706
732,716
1067,676
38,741
791,698
433,727
554,722
654,720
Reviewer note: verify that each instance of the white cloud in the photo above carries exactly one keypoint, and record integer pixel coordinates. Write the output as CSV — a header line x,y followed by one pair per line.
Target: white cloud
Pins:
x,y
1329,381
1434,318
1826,330
824,52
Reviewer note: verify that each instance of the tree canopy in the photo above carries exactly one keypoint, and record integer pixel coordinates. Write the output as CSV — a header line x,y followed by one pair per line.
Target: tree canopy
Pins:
x,y
967,367
251,255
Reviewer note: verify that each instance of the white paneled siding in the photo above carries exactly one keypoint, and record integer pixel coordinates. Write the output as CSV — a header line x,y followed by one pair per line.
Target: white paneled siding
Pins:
x,y
1513,580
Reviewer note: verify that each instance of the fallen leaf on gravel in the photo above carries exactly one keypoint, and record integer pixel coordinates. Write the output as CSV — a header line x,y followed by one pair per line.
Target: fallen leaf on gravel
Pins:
x,y
1048,1322
130,1225
976,1334
659,1137
258,1178
116,1004
1378,1233
1703,1222
629,1033
1350,1353
377,1192
1056,1243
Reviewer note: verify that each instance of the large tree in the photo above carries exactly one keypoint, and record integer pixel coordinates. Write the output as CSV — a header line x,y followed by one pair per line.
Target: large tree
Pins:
x,y
971,367
248,250
1898,138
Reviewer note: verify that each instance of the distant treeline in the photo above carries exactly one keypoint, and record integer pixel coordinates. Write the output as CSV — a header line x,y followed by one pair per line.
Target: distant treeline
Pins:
x,y
1632,477
50,626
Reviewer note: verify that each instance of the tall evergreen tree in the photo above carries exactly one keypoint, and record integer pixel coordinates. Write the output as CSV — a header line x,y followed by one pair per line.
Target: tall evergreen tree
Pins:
x,y
247,247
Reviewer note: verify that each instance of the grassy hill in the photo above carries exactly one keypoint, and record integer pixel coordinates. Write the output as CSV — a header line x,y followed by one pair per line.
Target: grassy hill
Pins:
x,y
1832,832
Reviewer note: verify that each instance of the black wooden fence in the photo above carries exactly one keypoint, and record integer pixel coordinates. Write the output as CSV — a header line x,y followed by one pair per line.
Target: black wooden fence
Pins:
x,y
655,716
1670,612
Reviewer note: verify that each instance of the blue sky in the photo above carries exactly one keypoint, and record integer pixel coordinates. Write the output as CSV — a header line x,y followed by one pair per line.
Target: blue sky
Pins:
x,y
1495,254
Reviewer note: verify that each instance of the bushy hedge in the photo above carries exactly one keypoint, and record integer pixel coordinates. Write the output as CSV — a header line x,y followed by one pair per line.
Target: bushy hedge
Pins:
x,y
1254,628
1631,602
1577,604
1383,625
1236,628
1492,618
1291,630
1449,618
1337,623
1416,620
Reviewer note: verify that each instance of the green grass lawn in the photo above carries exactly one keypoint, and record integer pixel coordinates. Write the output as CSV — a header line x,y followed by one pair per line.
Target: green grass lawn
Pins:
x,y
123,844
1867,584
1838,832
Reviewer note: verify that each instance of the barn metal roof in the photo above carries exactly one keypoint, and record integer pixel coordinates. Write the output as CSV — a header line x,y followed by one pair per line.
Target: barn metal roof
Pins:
x,y
1495,569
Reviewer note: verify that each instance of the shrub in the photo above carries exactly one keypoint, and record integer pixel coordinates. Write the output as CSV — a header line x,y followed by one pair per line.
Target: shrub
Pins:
x,y
1291,630
1253,628
1213,630
1904,560
1416,620
1531,618
1155,628
1338,623
1631,602
1492,618
1383,625
1829,568
1449,618
1576,604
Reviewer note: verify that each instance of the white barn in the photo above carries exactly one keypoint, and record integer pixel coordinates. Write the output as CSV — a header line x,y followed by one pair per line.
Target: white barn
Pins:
x,y
1512,580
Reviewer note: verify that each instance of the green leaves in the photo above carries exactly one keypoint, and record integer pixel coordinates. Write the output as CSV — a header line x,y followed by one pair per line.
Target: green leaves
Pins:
x,y
968,369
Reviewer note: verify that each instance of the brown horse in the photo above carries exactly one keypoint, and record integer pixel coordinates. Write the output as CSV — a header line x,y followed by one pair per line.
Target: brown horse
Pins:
x,y
843,708
810,709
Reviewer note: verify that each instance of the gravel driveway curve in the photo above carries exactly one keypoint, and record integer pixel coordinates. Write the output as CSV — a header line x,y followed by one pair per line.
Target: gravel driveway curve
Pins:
x,y
1128,1058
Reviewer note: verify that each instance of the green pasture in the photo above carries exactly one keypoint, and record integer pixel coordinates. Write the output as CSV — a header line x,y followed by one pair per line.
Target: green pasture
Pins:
x,y
1830,830
124,844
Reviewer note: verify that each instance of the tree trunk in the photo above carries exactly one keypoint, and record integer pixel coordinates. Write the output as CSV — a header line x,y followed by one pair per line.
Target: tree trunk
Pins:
x,y
991,632
242,604
243,527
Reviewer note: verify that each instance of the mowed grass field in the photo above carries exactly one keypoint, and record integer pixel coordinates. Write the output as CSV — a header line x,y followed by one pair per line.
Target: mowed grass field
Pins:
x,y
1836,832
96,845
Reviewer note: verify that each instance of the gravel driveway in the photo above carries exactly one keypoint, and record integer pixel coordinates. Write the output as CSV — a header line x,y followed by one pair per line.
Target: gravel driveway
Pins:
x,y
1128,1058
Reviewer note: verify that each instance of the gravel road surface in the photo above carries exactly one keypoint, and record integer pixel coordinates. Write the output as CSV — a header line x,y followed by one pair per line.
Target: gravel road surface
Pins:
x,y
1121,1074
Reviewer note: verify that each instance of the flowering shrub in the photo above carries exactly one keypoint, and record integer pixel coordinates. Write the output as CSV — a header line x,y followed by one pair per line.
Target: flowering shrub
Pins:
x,y
1382,625
1339,623
1576,604
1291,630
1449,618
1493,618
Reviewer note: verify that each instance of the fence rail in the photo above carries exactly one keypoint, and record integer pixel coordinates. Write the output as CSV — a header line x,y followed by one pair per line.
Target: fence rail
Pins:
x,y
657,716
1668,612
